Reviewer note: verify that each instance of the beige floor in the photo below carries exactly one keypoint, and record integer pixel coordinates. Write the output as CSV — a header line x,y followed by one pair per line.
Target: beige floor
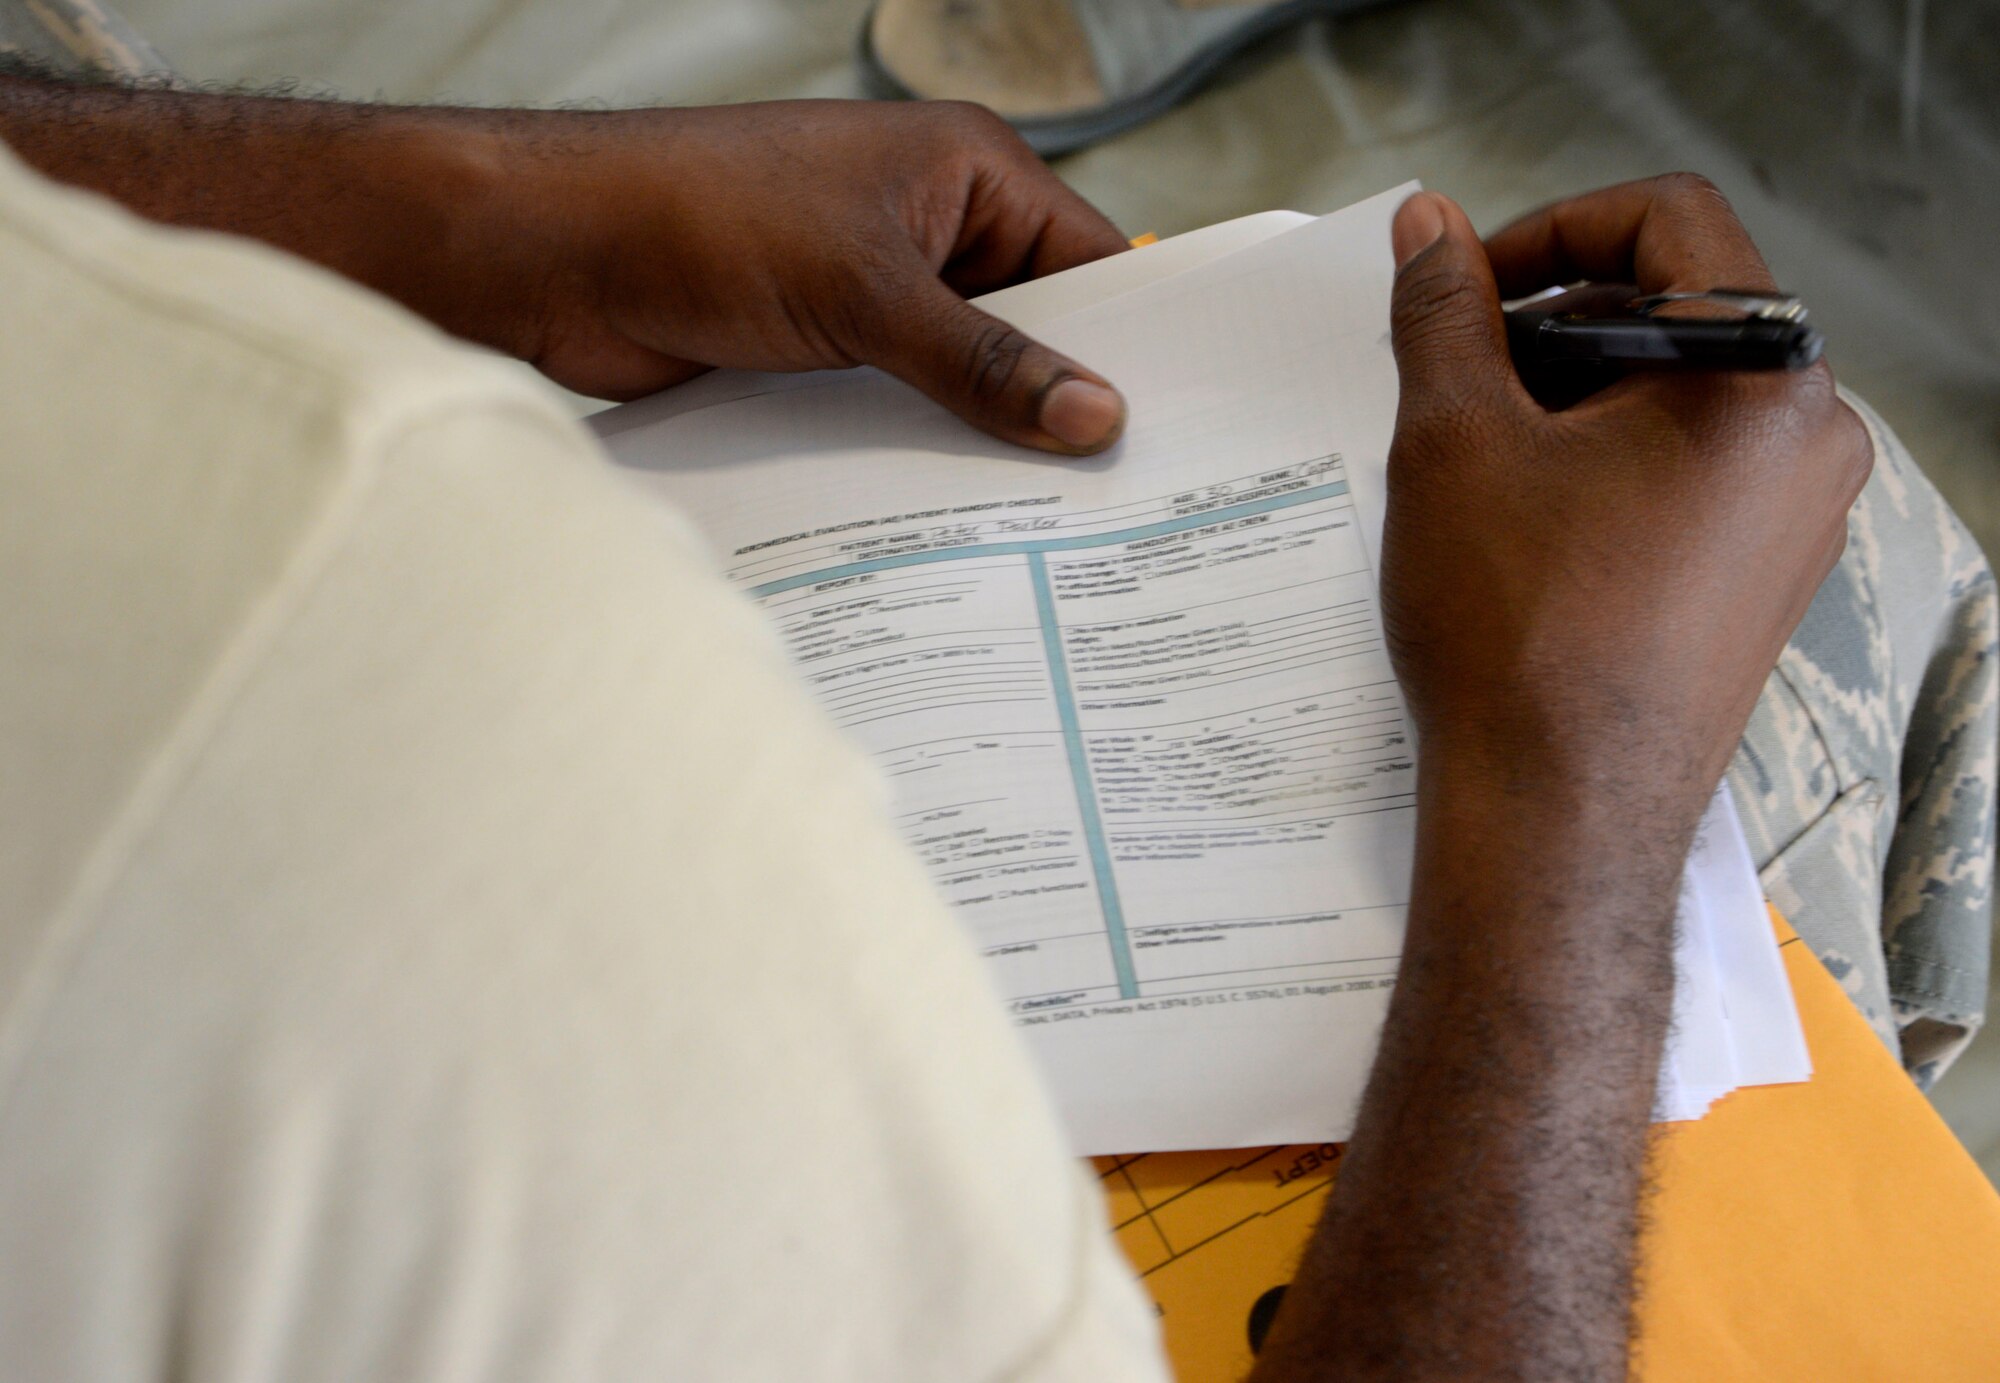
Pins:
x,y
1883,211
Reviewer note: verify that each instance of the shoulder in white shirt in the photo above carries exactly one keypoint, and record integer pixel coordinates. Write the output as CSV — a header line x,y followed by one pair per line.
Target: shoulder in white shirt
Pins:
x,y
437,938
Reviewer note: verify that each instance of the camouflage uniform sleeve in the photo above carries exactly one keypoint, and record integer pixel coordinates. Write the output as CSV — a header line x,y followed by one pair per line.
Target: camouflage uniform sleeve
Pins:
x,y
1866,777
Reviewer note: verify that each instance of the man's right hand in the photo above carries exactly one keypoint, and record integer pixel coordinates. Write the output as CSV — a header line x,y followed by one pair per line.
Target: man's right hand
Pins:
x,y
1601,590
1582,606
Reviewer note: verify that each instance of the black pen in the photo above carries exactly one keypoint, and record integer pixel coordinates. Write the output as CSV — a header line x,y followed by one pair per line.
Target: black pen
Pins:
x,y
1548,334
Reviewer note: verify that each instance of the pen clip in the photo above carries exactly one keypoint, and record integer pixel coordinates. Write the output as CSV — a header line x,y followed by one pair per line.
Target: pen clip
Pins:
x,y
1774,307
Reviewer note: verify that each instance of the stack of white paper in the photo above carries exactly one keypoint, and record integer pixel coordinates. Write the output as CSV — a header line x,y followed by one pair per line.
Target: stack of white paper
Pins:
x,y
1137,711
1734,1020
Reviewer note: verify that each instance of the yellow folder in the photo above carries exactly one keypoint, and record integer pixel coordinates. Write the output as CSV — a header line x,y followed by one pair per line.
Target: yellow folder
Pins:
x,y
1833,1230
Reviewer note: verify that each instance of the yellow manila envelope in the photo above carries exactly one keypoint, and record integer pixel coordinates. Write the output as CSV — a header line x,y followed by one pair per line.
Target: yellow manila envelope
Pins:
x,y
1832,1230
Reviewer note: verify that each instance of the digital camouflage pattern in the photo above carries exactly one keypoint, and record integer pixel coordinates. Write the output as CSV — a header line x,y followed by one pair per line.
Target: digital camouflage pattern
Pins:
x,y
1866,778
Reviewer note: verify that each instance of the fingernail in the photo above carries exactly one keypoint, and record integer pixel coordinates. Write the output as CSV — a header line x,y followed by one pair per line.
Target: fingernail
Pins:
x,y
1081,414
1418,224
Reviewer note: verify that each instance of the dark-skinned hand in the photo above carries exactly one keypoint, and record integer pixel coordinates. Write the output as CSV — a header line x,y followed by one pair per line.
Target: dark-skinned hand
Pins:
x,y
799,235
1603,588
625,251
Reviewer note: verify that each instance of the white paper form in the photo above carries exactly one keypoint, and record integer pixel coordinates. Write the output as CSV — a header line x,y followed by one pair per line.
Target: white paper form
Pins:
x,y
1136,711
1734,1020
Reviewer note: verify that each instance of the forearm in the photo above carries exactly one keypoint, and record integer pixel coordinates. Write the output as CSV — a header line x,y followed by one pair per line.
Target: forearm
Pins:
x,y
1487,1211
400,199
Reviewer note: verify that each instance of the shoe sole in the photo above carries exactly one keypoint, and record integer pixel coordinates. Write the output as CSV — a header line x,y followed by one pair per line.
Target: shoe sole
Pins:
x,y
1052,136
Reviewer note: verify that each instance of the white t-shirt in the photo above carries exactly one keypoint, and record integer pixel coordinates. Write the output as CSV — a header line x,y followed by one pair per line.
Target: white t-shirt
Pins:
x,y
438,940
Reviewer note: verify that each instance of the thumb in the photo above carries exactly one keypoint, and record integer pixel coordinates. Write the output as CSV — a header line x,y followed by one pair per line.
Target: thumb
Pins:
x,y
1444,314
996,378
